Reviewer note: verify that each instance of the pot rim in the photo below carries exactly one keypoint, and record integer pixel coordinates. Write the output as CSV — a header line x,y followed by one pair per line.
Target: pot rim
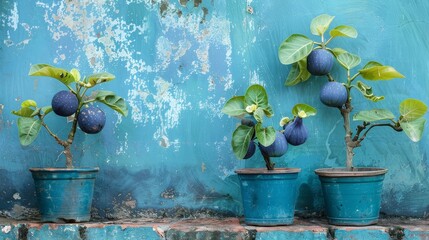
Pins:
x,y
62,169
357,172
266,171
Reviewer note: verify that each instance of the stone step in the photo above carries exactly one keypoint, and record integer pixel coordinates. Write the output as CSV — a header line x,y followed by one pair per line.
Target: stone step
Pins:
x,y
213,229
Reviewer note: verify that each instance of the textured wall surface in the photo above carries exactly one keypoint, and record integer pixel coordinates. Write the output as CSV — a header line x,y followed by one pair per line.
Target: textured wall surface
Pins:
x,y
176,63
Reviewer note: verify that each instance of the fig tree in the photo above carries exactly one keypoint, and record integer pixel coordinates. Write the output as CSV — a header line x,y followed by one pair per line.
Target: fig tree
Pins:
x,y
91,120
333,94
320,62
295,132
277,149
64,103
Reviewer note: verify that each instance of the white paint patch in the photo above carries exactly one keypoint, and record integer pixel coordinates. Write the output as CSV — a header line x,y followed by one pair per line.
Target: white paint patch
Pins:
x,y
6,229
13,18
16,196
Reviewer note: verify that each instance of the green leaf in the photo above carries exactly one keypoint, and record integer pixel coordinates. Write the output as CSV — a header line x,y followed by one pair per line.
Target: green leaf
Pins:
x,y
99,78
348,60
303,110
235,106
112,100
257,95
259,115
295,48
320,24
265,136
24,112
29,103
268,111
241,138
412,109
28,129
367,92
373,115
338,51
76,74
371,64
380,73
46,70
414,129
298,73
46,109
344,31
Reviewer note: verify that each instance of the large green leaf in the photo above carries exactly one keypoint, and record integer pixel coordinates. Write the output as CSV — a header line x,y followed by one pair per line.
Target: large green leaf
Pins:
x,y
337,51
348,60
113,101
97,78
46,70
344,31
298,73
412,109
235,106
373,115
265,136
320,24
28,129
367,92
303,110
295,48
24,112
257,95
241,138
380,73
414,129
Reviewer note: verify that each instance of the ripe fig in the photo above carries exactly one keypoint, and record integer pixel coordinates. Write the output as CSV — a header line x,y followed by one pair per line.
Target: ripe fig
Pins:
x,y
333,94
91,120
250,150
64,103
320,62
277,149
295,132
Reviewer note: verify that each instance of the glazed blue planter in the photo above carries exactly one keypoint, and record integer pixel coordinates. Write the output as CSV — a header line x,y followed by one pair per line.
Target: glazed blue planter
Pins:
x,y
352,198
269,196
64,195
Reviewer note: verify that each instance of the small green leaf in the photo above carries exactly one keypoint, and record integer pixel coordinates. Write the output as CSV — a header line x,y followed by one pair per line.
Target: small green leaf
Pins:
x,y
235,106
257,95
24,112
112,100
76,74
99,78
373,115
265,136
28,129
295,48
298,73
303,110
344,31
29,103
268,111
348,60
367,92
371,64
338,51
414,129
46,110
241,138
380,73
320,24
259,115
412,109
46,70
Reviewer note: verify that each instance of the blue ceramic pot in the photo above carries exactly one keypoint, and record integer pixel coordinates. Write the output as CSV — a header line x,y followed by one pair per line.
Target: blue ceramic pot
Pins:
x,y
352,198
269,196
64,195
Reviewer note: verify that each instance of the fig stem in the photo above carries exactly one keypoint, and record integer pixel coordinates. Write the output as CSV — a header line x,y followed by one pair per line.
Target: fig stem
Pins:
x,y
268,163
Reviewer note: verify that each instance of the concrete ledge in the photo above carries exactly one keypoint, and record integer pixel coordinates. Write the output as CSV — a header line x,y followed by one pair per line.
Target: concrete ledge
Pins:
x,y
216,229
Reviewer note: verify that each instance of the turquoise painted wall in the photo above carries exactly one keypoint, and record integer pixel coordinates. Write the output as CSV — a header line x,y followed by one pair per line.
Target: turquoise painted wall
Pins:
x,y
176,64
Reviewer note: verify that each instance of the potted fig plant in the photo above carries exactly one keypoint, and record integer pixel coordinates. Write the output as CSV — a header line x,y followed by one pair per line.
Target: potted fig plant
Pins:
x,y
352,194
269,194
65,194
